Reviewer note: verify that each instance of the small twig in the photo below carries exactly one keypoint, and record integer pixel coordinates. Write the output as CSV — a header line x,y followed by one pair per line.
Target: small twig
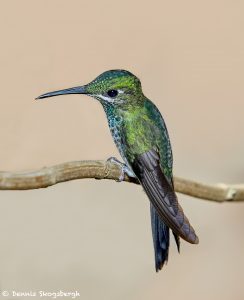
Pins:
x,y
106,170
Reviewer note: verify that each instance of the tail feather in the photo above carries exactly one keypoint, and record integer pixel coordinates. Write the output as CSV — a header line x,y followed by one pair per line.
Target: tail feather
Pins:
x,y
160,233
161,239
177,241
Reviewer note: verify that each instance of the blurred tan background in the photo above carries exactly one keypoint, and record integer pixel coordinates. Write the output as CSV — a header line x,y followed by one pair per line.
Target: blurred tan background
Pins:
x,y
95,236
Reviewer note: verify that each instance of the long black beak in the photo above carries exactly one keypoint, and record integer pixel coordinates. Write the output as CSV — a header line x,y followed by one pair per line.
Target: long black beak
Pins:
x,y
74,90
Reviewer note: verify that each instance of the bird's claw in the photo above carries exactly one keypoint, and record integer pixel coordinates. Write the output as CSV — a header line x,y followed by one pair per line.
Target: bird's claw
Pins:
x,y
114,160
122,174
123,167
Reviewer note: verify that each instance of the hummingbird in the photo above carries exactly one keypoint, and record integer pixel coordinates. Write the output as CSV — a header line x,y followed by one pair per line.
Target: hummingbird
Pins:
x,y
141,136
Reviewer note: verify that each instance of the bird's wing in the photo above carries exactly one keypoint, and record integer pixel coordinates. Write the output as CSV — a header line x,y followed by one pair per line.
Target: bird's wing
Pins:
x,y
147,168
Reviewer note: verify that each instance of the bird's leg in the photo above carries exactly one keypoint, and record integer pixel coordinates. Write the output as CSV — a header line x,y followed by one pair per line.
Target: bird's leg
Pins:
x,y
125,170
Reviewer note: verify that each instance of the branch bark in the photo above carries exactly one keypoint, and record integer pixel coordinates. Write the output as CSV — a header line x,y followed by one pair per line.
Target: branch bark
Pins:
x,y
106,170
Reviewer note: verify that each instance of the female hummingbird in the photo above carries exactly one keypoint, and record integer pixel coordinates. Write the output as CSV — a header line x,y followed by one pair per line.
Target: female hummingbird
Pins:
x,y
141,136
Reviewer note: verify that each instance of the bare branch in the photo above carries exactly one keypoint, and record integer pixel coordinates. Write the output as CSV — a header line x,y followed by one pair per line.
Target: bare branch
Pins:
x,y
106,170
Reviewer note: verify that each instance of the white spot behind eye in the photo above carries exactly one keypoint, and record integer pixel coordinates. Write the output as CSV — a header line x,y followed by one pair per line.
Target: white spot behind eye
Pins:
x,y
106,98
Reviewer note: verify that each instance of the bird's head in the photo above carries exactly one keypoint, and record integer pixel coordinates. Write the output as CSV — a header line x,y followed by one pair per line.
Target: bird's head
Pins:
x,y
115,87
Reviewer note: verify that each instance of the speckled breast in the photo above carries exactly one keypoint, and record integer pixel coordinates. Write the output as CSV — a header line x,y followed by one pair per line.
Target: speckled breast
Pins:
x,y
115,124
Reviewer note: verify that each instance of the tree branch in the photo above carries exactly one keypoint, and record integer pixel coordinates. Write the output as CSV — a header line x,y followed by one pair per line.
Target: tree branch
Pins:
x,y
106,170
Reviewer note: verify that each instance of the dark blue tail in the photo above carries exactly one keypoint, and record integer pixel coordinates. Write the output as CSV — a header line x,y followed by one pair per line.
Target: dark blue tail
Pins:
x,y
160,233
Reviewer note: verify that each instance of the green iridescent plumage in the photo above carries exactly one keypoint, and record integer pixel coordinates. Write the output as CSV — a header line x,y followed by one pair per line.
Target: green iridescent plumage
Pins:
x,y
116,79
136,116
141,136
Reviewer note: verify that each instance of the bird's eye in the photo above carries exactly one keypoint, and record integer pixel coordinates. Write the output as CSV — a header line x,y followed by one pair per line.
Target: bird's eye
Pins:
x,y
112,93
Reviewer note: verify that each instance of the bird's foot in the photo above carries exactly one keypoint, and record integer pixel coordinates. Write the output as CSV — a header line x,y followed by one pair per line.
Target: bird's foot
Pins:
x,y
125,170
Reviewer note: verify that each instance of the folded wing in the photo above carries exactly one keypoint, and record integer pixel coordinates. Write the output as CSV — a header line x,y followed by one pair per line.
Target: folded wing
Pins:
x,y
161,193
